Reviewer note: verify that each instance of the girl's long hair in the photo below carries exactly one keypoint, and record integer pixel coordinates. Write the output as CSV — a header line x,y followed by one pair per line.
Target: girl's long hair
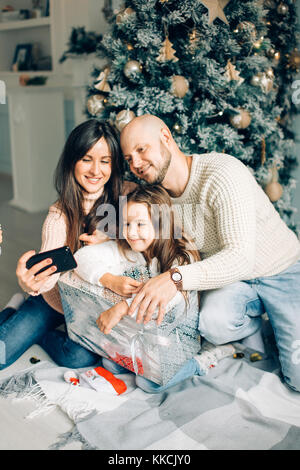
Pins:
x,y
70,193
167,247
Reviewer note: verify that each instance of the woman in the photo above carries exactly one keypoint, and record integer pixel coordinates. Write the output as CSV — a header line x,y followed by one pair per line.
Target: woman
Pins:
x,y
88,174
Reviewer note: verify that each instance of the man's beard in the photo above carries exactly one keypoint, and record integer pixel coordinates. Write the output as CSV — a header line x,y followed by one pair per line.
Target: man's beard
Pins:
x,y
167,156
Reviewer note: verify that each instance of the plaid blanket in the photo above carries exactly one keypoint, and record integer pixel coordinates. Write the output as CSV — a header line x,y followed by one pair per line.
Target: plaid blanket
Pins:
x,y
237,405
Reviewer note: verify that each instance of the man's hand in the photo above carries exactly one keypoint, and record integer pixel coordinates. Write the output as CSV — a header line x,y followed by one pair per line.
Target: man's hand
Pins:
x,y
155,294
110,318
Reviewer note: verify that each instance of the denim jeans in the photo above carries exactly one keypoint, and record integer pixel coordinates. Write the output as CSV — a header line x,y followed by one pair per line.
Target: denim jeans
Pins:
x,y
189,369
234,312
35,323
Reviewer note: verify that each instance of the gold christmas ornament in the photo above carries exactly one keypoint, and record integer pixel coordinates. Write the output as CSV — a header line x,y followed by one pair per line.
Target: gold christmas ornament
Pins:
x,y
96,104
240,120
215,9
274,189
102,84
282,9
167,53
232,74
123,118
123,15
294,60
133,67
179,86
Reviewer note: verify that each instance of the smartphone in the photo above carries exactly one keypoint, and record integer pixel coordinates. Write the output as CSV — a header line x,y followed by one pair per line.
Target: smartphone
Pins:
x,y
62,258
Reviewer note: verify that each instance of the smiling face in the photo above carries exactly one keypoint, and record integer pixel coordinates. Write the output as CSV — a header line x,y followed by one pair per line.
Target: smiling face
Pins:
x,y
137,226
145,151
93,170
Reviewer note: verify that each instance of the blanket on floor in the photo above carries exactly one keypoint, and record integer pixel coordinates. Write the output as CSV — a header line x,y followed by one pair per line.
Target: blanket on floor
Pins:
x,y
237,405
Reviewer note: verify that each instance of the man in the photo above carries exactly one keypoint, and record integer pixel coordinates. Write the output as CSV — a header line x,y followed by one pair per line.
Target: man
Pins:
x,y
250,258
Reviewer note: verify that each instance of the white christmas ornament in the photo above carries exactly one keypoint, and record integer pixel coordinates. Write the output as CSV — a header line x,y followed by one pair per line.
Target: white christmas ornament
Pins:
x,y
96,104
123,118
133,67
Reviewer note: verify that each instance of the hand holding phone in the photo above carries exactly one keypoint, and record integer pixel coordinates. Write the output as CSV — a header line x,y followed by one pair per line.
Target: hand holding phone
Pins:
x,y
62,259
34,270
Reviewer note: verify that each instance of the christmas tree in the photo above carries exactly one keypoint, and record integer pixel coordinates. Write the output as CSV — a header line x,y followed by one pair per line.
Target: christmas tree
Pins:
x,y
218,72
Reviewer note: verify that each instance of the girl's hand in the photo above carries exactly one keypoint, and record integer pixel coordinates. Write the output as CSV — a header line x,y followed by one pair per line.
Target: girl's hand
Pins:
x,y
96,238
0,236
28,281
122,285
110,318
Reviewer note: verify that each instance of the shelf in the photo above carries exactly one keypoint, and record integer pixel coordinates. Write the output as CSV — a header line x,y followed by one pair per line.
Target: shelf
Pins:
x,y
25,24
8,73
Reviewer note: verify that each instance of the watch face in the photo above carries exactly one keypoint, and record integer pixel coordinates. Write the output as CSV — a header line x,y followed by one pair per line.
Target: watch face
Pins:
x,y
176,277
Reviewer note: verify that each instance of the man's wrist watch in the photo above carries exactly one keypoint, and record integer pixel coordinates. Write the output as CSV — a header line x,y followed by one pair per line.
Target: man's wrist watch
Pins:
x,y
176,277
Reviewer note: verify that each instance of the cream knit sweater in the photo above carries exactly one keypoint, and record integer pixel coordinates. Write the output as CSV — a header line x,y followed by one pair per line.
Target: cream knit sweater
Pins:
x,y
54,235
237,230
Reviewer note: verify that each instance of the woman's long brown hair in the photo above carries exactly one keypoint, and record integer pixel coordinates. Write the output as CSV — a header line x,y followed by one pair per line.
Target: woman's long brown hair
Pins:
x,y
167,249
70,193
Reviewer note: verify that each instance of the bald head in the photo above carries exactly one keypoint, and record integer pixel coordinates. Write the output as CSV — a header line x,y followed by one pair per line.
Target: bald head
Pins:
x,y
146,124
147,145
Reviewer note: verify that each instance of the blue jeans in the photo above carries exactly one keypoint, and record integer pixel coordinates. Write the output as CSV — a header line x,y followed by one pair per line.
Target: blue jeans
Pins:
x,y
189,369
234,312
35,323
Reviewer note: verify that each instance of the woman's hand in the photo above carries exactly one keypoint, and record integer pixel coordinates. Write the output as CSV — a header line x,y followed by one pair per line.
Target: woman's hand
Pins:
x,y
27,278
96,238
122,285
110,318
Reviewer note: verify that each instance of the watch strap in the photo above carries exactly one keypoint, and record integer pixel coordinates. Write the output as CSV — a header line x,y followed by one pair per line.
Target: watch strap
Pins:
x,y
178,284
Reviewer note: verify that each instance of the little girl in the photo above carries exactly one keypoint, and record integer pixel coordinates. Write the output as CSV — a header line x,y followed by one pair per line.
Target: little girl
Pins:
x,y
141,244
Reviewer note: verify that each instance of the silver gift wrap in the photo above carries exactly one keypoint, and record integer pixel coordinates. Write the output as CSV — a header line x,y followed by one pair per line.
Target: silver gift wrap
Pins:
x,y
156,352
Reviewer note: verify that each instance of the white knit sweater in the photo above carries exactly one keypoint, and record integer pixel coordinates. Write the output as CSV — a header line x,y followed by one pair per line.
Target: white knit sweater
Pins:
x,y
237,230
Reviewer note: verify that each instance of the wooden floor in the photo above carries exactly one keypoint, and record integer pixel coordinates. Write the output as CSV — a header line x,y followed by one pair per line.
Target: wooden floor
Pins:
x,y
21,233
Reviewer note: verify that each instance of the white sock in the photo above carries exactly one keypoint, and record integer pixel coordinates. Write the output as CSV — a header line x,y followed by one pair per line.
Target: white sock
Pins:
x,y
16,301
210,355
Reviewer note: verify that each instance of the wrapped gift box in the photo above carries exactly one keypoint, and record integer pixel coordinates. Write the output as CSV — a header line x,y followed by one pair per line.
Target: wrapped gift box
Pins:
x,y
156,352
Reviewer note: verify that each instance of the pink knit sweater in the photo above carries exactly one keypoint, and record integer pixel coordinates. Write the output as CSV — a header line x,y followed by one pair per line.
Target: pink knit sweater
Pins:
x,y
54,235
